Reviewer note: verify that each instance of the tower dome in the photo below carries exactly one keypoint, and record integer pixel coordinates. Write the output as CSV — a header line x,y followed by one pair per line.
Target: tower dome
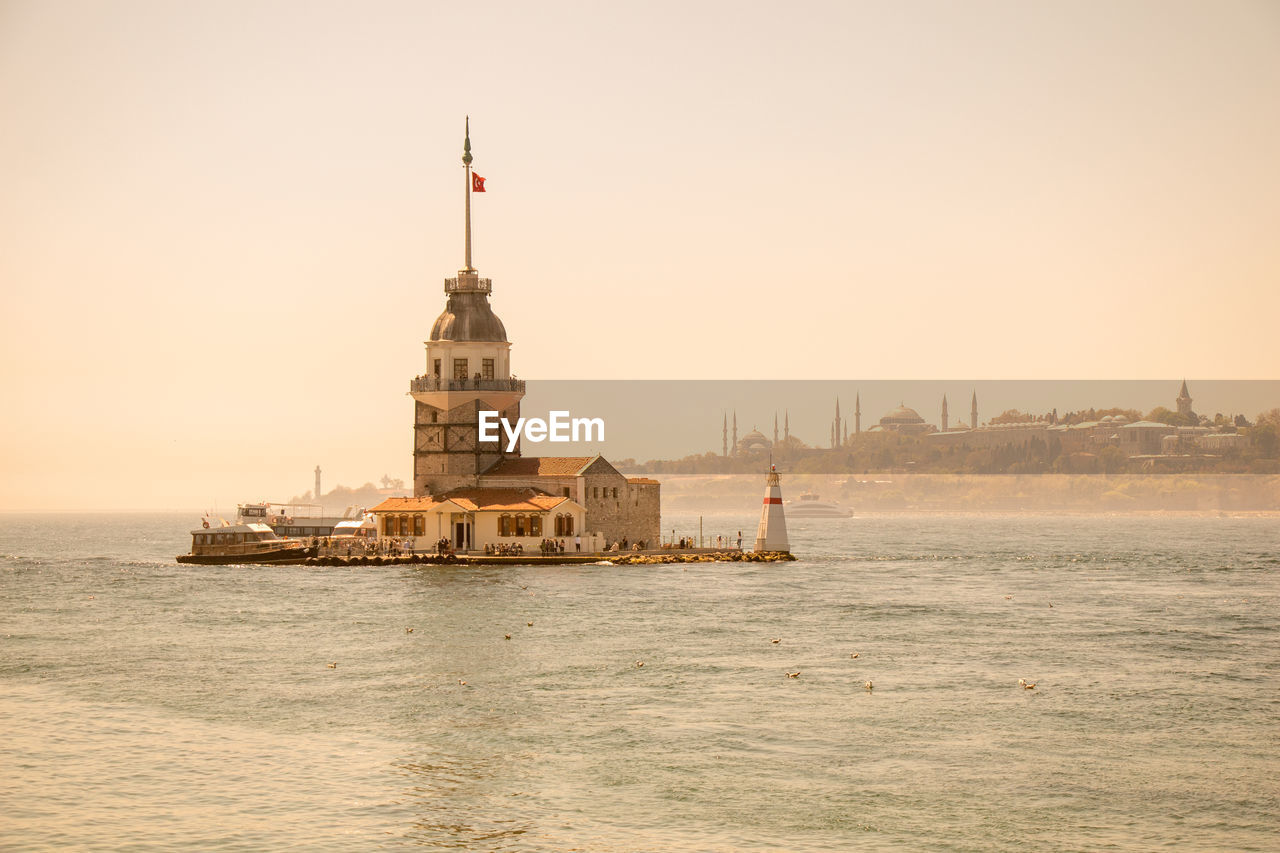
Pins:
x,y
467,315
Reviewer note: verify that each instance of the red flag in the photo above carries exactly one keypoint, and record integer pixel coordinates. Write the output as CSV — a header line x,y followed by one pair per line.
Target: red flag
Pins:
x,y
477,183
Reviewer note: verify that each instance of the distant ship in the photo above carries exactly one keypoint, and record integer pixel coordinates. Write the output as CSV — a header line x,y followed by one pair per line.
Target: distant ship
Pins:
x,y
811,506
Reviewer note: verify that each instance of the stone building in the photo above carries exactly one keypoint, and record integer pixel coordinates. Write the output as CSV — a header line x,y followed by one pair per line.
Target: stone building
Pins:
x,y
903,419
468,371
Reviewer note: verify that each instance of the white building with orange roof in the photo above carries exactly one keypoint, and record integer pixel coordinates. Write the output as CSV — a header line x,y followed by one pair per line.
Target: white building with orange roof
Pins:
x,y
475,519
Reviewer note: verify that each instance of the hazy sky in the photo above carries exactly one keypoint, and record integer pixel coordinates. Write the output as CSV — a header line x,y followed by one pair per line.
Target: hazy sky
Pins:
x,y
224,225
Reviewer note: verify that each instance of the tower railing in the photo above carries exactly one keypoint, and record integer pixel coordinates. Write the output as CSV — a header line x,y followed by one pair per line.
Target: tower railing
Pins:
x,y
468,285
432,383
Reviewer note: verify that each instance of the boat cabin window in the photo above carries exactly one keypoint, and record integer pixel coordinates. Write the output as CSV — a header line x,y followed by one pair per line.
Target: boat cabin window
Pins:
x,y
254,512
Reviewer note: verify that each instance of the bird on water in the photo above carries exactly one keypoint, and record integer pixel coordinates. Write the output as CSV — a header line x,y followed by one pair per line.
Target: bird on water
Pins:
x,y
869,685
795,674
1026,685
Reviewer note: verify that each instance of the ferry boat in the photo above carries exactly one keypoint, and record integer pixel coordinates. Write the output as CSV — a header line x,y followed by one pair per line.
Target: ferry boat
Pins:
x,y
233,544
294,519
811,506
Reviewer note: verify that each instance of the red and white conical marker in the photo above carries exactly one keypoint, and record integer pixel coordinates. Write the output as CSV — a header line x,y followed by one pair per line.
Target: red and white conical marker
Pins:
x,y
772,533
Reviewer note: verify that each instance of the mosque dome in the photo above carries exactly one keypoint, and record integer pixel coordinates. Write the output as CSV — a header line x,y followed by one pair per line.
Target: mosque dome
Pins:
x,y
754,442
902,415
468,317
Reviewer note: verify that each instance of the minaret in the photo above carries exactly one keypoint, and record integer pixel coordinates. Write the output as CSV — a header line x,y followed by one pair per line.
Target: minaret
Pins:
x,y
771,535
468,371
944,412
857,413
725,452
973,411
1184,400
835,427
734,446
786,426
775,428
317,493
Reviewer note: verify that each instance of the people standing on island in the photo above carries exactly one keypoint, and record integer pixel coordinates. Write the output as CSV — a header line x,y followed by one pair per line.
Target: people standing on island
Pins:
x,y
577,542
739,540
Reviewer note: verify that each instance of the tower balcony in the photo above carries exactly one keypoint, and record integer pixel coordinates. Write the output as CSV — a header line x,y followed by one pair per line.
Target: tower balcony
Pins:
x,y
468,284
428,384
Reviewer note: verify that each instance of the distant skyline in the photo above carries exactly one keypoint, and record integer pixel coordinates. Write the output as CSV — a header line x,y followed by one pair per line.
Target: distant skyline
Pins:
x,y
227,224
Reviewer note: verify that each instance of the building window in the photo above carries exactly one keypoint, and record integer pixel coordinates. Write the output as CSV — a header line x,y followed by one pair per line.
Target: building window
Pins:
x,y
522,525
417,525
565,490
459,368
595,491
504,525
564,525
615,493
486,369
437,368
535,525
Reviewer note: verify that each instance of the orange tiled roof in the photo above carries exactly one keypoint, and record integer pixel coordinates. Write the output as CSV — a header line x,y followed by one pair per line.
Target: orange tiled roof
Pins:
x,y
540,466
405,505
504,500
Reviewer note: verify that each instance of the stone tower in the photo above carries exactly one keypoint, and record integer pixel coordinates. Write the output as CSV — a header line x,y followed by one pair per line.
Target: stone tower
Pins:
x,y
944,412
1184,401
468,371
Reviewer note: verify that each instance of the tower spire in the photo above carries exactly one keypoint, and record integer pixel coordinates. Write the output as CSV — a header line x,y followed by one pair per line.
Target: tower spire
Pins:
x,y
466,162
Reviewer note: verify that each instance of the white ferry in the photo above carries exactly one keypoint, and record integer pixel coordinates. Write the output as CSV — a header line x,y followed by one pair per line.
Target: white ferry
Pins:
x,y
811,506
294,519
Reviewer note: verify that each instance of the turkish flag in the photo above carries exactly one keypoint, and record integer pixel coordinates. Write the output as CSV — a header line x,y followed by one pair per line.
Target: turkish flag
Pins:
x,y
477,183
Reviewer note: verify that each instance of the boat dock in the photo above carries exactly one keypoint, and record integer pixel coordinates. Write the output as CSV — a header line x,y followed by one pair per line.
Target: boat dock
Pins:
x,y
691,555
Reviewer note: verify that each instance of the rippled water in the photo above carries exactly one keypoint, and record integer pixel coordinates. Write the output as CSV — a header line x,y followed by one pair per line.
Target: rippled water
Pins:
x,y
147,705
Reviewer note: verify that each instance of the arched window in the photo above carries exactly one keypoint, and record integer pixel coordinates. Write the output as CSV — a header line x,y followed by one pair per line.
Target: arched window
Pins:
x,y
568,525
535,525
417,525
504,525
522,525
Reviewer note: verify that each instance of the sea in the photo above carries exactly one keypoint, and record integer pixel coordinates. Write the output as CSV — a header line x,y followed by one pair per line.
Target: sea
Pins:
x,y
147,705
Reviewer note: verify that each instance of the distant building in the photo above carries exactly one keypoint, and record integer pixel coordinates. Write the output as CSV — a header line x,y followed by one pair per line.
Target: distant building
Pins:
x,y
904,420
1184,402
754,443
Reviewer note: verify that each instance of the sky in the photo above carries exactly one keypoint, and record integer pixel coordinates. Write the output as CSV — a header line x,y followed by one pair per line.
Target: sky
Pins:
x,y
224,225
